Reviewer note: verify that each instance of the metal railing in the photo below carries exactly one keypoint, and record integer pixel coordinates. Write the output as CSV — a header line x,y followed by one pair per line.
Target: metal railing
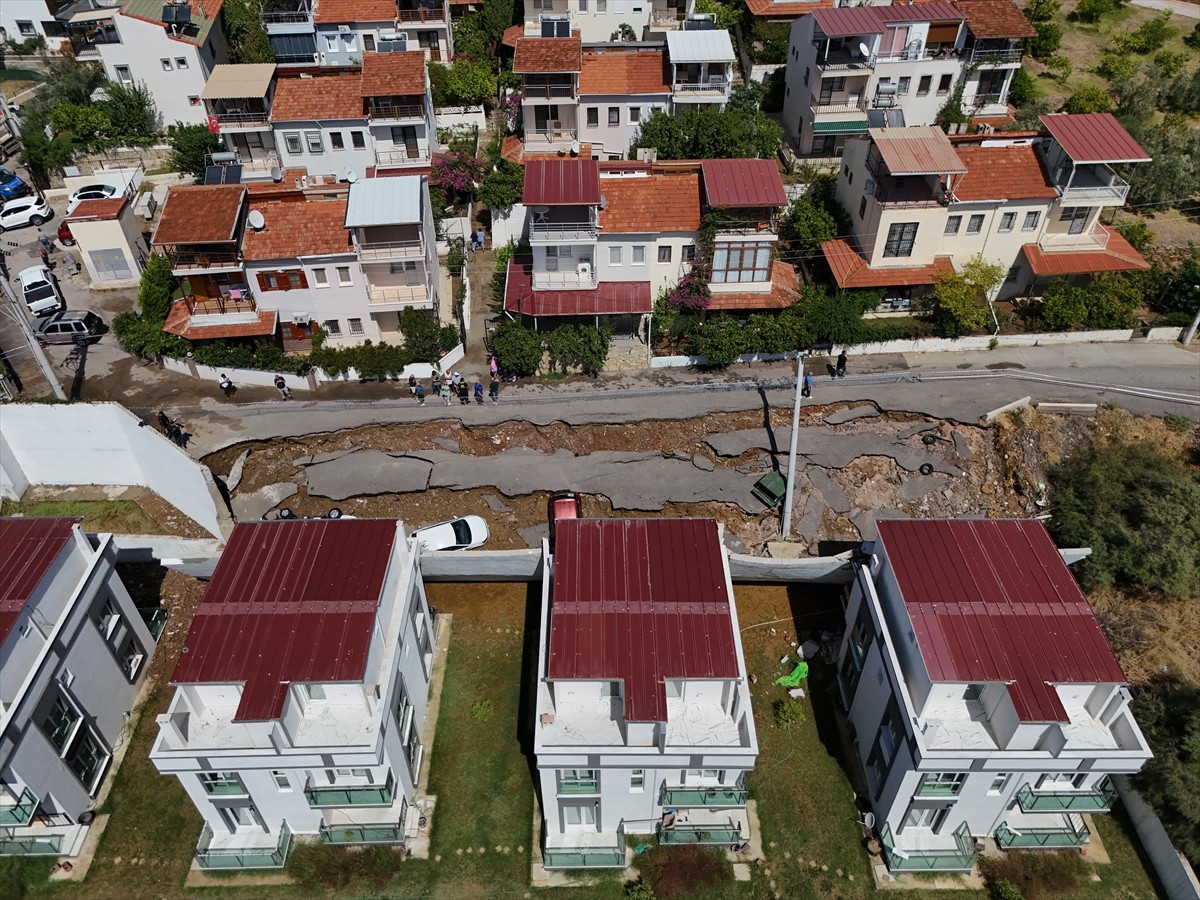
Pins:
x,y
224,787
208,857
931,788
1116,189
365,795
557,231
265,164
960,859
821,107
242,119
400,157
997,57
22,812
729,833
837,61
709,797
413,249
1098,800
548,91
563,280
421,15
383,109
702,87
395,295
41,846
1096,239
549,135
1074,834
204,259
362,834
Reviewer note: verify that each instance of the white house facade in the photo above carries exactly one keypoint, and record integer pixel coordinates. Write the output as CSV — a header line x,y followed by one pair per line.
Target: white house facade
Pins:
x,y
620,88
73,652
598,20
984,699
317,730
652,732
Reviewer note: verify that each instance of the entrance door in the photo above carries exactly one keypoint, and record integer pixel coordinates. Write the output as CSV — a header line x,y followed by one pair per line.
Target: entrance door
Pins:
x,y
1077,216
579,816
543,116
406,136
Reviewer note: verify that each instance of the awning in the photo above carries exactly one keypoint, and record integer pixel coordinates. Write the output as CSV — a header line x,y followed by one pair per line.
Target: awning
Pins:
x,y
238,82
840,127
94,15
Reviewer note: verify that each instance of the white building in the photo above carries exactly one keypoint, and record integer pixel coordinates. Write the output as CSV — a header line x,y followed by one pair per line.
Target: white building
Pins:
x,y
921,203
618,89
701,68
302,691
985,700
598,20
643,710
21,20
73,651
171,60
549,68
852,67
237,103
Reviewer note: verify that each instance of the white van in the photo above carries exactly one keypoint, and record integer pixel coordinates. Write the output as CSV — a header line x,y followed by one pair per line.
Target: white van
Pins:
x,y
40,292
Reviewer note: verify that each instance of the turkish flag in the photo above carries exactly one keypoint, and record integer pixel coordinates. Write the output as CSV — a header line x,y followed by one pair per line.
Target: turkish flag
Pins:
x,y
213,125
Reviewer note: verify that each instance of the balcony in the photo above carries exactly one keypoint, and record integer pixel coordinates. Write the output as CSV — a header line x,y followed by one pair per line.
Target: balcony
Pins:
x,y
20,813
703,88
728,833
709,797
217,259
50,845
591,858
401,157
225,788
830,107
286,12
365,795
984,57
394,298
413,249
362,834
243,119
209,856
424,14
1099,800
579,786
1093,184
382,109
548,91
1071,832
1095,240
568,281
545,229
958,858
840,62
548,136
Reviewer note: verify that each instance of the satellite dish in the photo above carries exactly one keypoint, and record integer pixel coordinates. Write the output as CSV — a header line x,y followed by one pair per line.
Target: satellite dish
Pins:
x,y
351,177
276,174
574,148
603,202
256,220
863,49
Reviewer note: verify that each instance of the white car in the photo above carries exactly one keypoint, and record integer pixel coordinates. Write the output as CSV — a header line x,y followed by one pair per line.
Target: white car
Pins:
x,y
31,210
91,192
40,291
466,533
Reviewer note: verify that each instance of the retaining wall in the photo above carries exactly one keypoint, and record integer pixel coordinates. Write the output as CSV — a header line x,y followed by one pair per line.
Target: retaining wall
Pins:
x,y
1166,333
454,116
1174,873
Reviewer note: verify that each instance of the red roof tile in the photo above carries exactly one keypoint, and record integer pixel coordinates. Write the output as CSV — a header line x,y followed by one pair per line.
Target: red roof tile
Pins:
x,y
511,34
28,547
650,204
785,290
289,602
640,601
995,19
850,269
298,229
200,214
285,185
322,97
1117,256
624,72
512,148
992,601
179,322
539,55
1094,137
1002,173
733,183
561,182
769,9
393,74
609,298
919,12
336,11
106,208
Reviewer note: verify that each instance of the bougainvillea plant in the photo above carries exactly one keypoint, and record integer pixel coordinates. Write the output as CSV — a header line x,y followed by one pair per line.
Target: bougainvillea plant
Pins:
x,y
692,292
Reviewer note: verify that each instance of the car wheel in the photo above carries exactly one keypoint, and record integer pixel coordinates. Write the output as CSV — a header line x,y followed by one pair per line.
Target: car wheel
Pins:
x,y
37,220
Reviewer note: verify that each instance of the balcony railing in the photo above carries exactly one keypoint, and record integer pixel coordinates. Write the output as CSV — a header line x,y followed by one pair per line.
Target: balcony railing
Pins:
x,y
1100,800
155,618
50,845
960,859
549,135
385,109
718,85
1115,190
401,157
825,107
366,795
579,786
591,858
700,834
1096,239
205,259
257,119
362,834
929,788
548,92
413,249
562,231
996,57
224,788
397,295
708,797
285,18
838,61
563,281
1074,834
208,857
22,812
421,15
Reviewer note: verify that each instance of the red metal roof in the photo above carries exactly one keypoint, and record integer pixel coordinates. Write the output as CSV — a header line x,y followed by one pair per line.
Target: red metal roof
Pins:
x,y
992,600
28,547
289,602
1094,138
732,183
640,601
918,12
848,21
561,182
1117,256
609,298
917,151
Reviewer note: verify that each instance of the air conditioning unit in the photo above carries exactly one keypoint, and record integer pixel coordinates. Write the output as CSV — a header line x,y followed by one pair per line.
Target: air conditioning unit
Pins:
x,y
584,270
343,29
647,154
554,124
301,318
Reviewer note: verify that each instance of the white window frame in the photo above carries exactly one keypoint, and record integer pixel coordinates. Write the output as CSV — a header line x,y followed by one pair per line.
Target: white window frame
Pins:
x,y
293,143
637,781
1032,221
181,62
282,782
345,278
355,326
321,278
639,255
975,223
1008,221
614,256
314,143
332,327
167,65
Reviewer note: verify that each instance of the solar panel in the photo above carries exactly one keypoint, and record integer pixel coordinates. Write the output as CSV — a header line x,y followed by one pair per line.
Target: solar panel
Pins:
x,y
231,174
175,14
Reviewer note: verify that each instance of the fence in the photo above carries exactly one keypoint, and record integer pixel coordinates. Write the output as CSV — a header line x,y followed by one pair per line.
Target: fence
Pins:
x,y
120,158
453,116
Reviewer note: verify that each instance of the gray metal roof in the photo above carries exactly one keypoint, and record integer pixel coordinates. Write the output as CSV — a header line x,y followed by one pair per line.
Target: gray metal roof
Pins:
x,y
385,201
699,46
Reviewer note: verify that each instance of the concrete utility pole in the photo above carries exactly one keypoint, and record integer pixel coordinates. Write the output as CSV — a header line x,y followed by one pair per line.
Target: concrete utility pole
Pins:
x,y
785,528
18,315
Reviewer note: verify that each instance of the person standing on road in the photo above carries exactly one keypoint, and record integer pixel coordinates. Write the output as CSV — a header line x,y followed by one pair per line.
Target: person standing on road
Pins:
x,y
806,391
494,366
464,393
228,388
435,384
420,394
456,381
479,392
841,364
446,392
44,243
494,390
285,392
412,384
45,255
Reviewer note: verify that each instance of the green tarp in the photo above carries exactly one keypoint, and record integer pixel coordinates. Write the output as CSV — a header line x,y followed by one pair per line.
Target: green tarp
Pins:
x,y
797,675
840,127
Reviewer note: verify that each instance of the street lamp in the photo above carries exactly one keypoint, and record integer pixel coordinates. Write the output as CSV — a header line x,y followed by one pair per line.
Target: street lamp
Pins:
x,y
785,527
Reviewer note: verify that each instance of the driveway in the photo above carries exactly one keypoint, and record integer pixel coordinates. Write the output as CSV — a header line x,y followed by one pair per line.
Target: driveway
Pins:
x,y
1179,7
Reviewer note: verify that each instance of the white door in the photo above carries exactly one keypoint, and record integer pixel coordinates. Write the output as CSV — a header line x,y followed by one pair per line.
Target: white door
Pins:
x,y
579,816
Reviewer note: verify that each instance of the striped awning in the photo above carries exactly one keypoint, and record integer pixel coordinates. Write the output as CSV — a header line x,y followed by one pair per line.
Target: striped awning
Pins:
x,y
856,127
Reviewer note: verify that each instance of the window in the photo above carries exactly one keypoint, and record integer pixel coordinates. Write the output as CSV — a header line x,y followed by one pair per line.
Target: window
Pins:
x,y
166,64
238,817
953,223
1013,273
1007,221
639,255
1031,221
614,115
664,254
610,689
972,693
941,784
355,326
806,75
900,239
107,618
862,206
194,100
291,140
975,224
737,262
314,691
86,759
689,253
835,85
930,817
369,43
281,781
336,141
593,116
614,256
332,327
583,5
601,6
1060,781
902,84
1071,213
131,658
313,140
580,814
674,689
181,62
124,75
357,141
343,274
321,279
944,83
26,28
331,42
60,723
221,783
637,781
635,114
923,85
999,780
578,781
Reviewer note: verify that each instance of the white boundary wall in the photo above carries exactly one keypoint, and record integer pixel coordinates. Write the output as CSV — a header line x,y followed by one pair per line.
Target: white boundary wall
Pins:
x,y
454,116
508,225
102,444
1166,333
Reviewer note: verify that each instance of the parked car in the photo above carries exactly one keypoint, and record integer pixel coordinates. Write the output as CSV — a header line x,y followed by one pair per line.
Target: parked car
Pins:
x,y
91,192
562,505
74,326
11,185
466,533
31,210
64,235
40,291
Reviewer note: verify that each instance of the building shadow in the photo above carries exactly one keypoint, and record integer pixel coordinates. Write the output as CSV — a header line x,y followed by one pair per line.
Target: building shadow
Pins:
x,y
774,450
527,699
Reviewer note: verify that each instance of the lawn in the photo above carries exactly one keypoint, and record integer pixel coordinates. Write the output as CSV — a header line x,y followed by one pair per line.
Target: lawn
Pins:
x,y
16,81
116,516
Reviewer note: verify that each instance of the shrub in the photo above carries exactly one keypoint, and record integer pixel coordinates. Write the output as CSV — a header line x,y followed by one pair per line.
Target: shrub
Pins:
x,y
720,340
1003,889
790,712
692,292
501,187
1023,88
639,890
1048,40
518,349
457,255
1169,715
1150,36
191,148
1094,10
1088,100
154,294
144,338
1064,306
1035,875
481,710
584,347
959,300
462,83
260,355
1193,39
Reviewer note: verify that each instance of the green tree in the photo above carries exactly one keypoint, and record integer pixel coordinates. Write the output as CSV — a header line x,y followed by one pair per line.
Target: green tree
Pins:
x,y
1150,36
769,41
1182,290
154,294
501,187
464,82
1111,301
1049,38
145,339
1061,63
815,217
1193,38
1063,306
83,124
728,15
1173,174
245,32
422,336
1115,66
191,148
721,340
1169,716
132,117
739,131
518,349
1139,511
495,17
836,318
960,299
1023,89
1088,99
624,32
1094,10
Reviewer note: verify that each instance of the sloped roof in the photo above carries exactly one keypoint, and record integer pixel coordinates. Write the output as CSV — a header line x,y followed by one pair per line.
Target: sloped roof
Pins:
x,y
699,46
337,11
784,10
995,19
543,55
200,214
848,21
742,183
785,290
298,229
623,73
561,182
919,12
1002,173
1094,138
322,97
28,548
230,81
650,205
262,323
608,298
850,269
1117,256
384,201
919,150
393,74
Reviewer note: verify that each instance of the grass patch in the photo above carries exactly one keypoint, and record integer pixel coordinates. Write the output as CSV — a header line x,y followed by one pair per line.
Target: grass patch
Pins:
x,y
674,873
117,516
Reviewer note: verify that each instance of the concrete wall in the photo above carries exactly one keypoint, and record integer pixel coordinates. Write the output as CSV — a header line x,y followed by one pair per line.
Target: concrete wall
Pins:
x,y
508,225
102,444
1166,333
1176,875
455,116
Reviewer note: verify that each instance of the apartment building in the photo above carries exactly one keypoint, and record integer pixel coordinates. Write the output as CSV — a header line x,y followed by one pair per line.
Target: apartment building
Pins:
x,y
74,649
167,49
854,67
237,105
651,730
301,695
701,68
339,33
921,204
985,701
618,89
549,68
21,20
597,21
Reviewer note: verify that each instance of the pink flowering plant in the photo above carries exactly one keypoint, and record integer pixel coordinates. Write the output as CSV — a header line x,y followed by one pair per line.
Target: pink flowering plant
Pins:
x,y
456,173
692,292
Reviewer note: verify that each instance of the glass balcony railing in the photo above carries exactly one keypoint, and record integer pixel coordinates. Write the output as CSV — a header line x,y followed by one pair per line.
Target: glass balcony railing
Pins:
x,y
224,787
353,796
208,857
592,858
700,834
43,846
705,796
1072,834
22,812
579,786
362,834
1099,800
959,859
155,619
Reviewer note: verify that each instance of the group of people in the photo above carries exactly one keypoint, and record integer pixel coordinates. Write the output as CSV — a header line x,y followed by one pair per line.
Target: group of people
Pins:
x,y
173,429
454,386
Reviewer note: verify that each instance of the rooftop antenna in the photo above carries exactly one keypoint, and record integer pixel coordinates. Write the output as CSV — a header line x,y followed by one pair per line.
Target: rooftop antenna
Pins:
x,y
256,220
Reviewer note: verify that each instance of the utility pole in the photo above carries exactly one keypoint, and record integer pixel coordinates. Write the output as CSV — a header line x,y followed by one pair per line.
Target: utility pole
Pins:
x,y
18,315
785,528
